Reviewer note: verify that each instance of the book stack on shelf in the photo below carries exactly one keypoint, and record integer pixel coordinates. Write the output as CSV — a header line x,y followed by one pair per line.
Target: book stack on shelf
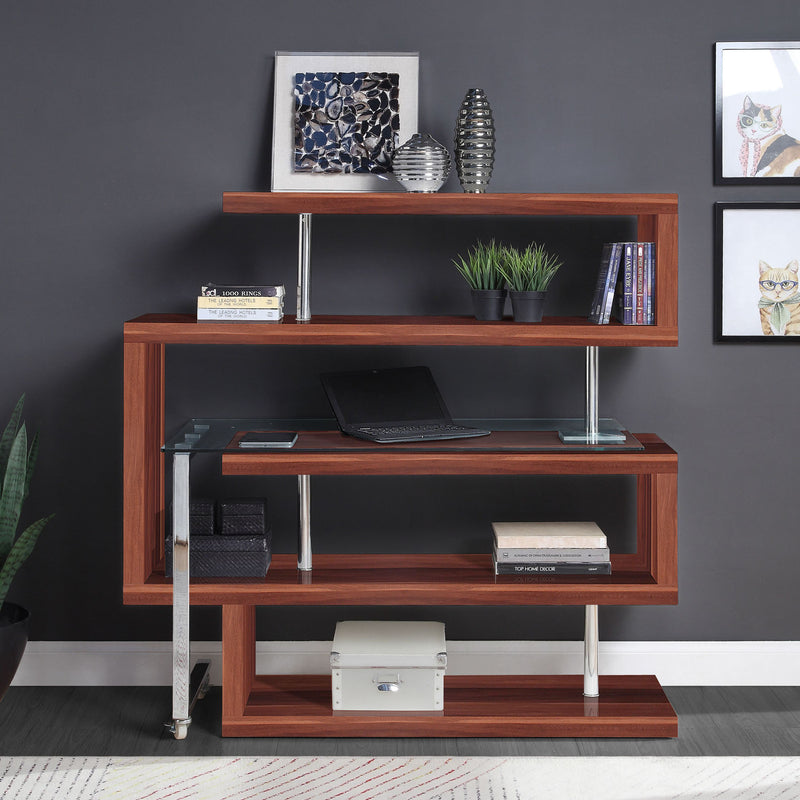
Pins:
x,y
625,284
550,548
219,303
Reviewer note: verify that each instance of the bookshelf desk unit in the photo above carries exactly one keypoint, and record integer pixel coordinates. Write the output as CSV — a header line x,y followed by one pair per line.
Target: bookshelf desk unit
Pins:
x,y
291,705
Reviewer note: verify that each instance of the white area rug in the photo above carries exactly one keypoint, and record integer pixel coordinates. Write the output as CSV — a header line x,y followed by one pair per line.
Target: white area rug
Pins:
x,y
346,778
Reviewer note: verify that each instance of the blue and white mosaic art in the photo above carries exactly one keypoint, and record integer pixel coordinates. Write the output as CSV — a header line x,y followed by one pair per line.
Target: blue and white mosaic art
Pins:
x,y
345,122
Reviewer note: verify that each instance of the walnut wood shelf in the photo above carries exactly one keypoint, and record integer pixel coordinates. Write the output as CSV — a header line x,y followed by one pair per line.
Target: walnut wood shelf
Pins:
x,y
444,203
409,579
656,221
501,453
397,330
475,705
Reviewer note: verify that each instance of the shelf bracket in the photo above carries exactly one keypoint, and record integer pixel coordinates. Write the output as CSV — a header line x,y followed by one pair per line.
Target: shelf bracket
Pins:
x,y
304,523
592,432
591,415
304,269
591,652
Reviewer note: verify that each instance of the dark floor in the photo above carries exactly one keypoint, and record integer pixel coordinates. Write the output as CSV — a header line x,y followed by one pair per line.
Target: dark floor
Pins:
x,y
122,721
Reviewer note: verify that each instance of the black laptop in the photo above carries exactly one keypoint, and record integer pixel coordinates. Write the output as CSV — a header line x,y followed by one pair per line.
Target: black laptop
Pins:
x,y
392,405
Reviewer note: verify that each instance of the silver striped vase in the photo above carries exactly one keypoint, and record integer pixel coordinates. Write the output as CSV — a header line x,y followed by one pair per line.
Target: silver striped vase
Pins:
x,y
421,164
474,142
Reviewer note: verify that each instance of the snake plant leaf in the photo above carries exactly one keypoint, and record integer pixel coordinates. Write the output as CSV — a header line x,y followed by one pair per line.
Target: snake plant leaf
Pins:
x,y
13,491
22,548
33,452
9,434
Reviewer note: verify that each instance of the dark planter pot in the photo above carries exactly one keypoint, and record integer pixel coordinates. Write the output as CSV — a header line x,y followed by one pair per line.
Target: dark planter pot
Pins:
x,y
13,638
528,306
488,304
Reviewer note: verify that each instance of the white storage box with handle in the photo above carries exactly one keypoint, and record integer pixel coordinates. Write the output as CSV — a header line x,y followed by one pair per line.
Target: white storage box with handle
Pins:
x,y
388,666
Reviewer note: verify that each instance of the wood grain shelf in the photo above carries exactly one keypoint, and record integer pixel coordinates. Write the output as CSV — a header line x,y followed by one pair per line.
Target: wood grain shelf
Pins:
x,y
474,705
332,453
444,203
398,330
413,579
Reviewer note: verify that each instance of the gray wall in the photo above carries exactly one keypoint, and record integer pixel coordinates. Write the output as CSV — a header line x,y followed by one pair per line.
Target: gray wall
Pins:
x,y
122,124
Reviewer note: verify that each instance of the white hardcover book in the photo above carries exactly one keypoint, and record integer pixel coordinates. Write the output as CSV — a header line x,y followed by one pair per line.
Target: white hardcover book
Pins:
x,y
563,555
239,314
240,302
548,534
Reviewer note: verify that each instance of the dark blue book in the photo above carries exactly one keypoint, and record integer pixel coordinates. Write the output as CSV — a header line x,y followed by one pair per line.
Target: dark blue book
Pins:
x,y
606,282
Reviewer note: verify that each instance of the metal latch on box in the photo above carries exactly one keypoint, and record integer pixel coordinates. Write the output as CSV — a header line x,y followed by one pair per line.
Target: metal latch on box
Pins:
x,y
387,682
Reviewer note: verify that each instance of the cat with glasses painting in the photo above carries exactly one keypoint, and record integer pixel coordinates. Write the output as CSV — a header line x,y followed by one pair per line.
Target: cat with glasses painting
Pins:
x,y
779,305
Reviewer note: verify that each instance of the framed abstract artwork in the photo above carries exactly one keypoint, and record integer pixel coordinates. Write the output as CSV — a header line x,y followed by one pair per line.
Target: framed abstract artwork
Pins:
x,y
757,130
757,288
338,118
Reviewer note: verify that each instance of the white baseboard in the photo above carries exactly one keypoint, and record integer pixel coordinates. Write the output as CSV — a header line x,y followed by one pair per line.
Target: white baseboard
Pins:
x,y
674,663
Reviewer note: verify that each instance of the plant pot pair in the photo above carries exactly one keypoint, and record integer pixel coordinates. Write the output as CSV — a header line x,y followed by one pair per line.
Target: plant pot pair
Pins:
x,y
13,639
488,304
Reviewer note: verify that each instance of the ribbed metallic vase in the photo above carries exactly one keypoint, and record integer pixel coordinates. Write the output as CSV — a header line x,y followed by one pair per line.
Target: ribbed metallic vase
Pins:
x,y
421,164
474,142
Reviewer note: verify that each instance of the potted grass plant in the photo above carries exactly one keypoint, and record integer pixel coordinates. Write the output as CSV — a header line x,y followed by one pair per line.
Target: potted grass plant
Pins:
x,y
479,268
17,460
528,274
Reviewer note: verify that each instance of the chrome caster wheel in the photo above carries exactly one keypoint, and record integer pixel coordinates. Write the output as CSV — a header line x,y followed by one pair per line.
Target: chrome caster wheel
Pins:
x,y
180,730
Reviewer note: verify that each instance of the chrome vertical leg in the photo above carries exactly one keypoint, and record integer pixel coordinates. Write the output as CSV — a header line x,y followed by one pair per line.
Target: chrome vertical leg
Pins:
x,y
591,651
304,522
591,416
590,433
304,269
180,595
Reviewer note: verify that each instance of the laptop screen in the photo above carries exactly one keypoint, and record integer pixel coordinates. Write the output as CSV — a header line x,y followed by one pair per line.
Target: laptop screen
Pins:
x,y
379,396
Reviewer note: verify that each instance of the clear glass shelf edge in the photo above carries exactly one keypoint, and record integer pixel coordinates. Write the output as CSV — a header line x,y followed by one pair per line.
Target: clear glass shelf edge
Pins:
x,y
206,435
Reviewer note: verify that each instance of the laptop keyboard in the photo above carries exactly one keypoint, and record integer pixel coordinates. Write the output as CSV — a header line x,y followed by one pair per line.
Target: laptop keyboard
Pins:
x,y
438,431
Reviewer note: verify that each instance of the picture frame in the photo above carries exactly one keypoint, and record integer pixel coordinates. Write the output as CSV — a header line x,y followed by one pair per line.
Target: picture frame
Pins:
x,y
756,291
757,113
336,127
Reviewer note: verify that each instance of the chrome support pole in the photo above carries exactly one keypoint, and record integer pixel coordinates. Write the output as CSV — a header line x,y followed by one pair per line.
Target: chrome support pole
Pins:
x,y
304,522
304,269
180,594
592,416
590,433
591,653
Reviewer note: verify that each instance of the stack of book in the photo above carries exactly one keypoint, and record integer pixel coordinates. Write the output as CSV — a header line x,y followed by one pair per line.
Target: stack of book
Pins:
x,y
625,284
219,303
550,548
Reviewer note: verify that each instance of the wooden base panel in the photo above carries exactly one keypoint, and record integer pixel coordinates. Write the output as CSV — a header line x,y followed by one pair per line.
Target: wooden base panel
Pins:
x,y
475,706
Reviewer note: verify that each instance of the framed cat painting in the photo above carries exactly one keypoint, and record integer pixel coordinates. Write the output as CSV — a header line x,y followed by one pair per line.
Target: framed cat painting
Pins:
x,y
757,276
757,135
